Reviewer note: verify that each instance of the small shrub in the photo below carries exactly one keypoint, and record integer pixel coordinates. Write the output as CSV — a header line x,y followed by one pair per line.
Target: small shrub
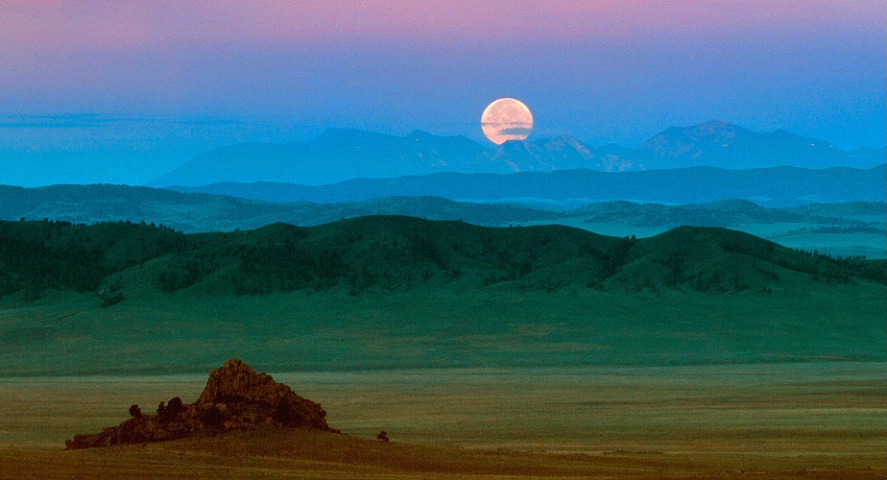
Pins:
x,y
111,299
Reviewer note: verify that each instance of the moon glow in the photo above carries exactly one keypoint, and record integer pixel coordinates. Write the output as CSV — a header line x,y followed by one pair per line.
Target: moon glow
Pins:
x,y
506,119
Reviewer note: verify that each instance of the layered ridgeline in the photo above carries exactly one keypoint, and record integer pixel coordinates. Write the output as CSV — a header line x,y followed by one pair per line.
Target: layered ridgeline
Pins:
x,y
339,155
839,229
394,291
772,187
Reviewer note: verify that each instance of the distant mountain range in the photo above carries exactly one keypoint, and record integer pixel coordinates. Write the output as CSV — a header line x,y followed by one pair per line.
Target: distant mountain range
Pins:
x,y
339,155
773,187
719,144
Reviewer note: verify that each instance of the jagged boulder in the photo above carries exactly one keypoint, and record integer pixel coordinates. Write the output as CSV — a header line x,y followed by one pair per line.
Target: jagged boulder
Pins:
x,y
235,398
240,394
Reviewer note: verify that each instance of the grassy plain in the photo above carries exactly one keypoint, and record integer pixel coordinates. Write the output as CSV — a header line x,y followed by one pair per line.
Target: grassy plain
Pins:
x,y
184,332
815,420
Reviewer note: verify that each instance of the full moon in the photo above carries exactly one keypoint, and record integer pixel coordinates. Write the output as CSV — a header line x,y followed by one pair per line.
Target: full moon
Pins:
x,y
506,119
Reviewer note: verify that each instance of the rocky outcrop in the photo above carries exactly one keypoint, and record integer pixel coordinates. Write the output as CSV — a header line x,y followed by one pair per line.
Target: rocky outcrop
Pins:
x,y
235,398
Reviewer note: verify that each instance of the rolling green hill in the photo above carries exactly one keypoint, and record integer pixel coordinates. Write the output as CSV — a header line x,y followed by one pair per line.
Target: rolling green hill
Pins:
x,y
386,253
390,291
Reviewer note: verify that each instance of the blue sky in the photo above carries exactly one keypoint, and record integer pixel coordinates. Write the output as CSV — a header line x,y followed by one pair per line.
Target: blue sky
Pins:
x,y
123,91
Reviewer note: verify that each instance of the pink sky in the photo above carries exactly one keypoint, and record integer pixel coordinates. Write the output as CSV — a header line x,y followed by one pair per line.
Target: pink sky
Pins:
x,y
280,70
32,26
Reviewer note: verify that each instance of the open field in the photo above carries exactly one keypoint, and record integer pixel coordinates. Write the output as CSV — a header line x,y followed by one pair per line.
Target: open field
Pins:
x,y
813,420
186,332
311,455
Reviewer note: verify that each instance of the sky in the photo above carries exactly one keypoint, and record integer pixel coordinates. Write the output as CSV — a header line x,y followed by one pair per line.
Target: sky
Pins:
x,y
122,91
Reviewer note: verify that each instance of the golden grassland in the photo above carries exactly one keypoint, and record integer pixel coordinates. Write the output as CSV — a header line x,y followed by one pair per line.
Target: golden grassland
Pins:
x,y
813,420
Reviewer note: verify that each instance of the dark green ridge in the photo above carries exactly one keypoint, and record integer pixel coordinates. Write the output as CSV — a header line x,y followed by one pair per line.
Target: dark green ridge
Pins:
x,y
395,253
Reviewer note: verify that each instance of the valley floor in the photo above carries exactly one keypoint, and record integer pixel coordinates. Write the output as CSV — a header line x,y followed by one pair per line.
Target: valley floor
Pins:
x,y
803,420
304,455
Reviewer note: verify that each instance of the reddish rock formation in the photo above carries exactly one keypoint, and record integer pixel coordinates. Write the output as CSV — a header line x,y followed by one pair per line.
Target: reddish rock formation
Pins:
x,y
235,398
